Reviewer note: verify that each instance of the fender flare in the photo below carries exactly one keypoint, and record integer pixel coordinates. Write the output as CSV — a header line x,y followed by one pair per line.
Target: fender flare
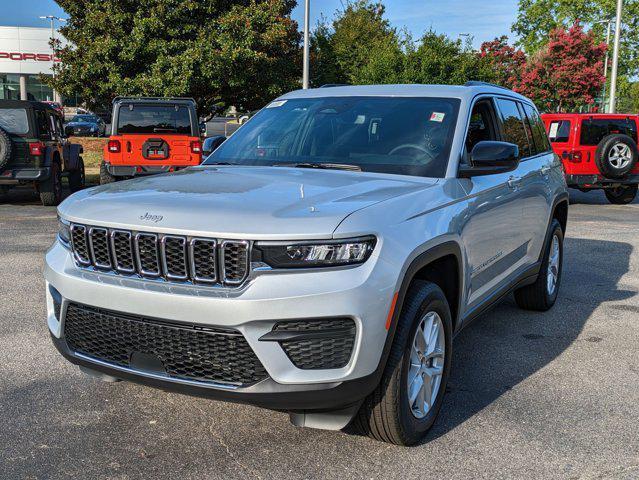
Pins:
x,y
441,250
561,198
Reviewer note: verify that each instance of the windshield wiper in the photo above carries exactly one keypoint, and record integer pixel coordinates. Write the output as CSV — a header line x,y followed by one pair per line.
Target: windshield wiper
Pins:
x,y
219,163
326,166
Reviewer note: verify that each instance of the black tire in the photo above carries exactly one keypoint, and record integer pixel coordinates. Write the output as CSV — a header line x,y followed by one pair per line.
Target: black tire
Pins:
x,y
51,188
606,149
105,176
385,414
537,296
77,178
6,149
621,195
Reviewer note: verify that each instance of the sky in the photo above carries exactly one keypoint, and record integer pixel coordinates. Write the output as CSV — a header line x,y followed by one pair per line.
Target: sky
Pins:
x,y
451,17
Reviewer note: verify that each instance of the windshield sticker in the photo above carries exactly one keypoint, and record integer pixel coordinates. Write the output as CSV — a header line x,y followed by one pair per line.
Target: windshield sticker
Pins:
x,y
276,104
437,117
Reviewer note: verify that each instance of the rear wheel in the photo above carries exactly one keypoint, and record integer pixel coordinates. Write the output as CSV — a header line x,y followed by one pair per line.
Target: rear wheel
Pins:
x,y
542,294
621,195
51,188
405,404
77,178
105,176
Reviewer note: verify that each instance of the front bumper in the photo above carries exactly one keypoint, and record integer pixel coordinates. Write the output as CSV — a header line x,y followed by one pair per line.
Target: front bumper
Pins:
x,y
362,293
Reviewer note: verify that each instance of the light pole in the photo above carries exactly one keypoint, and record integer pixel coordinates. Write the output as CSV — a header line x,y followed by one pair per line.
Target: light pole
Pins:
x,y
306,65
52,19
615,59
605,72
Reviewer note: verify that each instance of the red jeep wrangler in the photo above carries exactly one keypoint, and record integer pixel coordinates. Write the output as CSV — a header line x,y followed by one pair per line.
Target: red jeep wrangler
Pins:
x,y
598,150
151,135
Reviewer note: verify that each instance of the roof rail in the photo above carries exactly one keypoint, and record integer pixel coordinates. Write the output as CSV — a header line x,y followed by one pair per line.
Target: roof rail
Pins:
x,y
331,85
156,99
477,83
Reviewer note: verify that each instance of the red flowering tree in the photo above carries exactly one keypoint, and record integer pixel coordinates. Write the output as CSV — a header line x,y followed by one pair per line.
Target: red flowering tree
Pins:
x,y
567,73
503,61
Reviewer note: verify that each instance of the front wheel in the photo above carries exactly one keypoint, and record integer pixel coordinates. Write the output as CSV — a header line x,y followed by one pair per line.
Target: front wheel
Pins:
x,y
542,294
621,195
405,404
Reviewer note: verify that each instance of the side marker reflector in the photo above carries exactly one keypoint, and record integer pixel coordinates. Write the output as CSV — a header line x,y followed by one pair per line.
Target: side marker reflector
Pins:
x,y
389,319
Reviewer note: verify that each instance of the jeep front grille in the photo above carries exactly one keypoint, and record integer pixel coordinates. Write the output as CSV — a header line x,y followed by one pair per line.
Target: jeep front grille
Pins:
x,y
178,351
174,258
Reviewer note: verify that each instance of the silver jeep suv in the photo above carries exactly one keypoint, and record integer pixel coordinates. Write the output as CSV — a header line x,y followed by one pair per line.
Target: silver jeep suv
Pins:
x,y
322,259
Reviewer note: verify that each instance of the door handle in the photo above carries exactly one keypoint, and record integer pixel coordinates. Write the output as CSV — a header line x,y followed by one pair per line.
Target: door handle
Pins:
x,y
514,182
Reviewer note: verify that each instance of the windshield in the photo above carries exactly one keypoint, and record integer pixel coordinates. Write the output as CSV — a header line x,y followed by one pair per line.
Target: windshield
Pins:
x,y
85,118
14,120
409,136
140,118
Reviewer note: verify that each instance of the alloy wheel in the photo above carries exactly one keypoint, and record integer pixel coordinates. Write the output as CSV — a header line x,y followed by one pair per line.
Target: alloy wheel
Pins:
x,y
426,364
553,266
620,155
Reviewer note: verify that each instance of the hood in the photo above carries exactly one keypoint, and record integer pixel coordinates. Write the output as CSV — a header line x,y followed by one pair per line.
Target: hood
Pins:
x,y
237,202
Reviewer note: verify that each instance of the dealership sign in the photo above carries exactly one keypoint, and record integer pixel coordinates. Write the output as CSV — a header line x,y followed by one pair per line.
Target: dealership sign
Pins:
x,y
27,50
39,57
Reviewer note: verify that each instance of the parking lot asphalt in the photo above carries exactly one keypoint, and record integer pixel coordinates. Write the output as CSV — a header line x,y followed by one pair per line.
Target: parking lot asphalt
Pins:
x,y
532,395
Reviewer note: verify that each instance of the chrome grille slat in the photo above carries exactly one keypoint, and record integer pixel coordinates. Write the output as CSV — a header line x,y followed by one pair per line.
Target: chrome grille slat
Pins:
x,y
203,259
235,261
146,254
99,247
163,257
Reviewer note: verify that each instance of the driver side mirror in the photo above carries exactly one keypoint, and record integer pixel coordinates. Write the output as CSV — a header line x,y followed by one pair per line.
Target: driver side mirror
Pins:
x,y
489,158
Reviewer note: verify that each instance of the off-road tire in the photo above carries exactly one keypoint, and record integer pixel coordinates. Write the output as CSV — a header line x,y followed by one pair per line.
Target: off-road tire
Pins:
x,y
51,188
77,177
621,195
536,296
603,151
385,414
6,149
105,176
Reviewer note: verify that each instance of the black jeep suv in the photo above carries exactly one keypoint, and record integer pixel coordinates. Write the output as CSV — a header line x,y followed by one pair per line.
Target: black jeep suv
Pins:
x,y
34,149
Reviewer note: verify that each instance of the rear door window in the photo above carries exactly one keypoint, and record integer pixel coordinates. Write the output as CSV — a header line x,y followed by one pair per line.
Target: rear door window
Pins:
x,y
540,138
513,128
144,119
594,130
14,120
559,131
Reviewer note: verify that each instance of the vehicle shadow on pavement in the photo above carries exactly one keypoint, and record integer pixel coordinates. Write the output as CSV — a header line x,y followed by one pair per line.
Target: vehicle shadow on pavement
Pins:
x,y
507,345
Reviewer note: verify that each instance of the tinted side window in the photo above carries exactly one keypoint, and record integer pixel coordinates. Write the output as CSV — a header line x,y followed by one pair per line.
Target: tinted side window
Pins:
x,y
538,131
513,125
594,130
44,131
559,131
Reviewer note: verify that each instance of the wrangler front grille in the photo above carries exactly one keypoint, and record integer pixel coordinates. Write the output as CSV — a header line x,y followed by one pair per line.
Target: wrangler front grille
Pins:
x,y
174,258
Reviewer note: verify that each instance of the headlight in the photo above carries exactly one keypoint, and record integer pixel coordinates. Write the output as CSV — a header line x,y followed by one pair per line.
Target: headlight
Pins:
x,y
64,232
329,253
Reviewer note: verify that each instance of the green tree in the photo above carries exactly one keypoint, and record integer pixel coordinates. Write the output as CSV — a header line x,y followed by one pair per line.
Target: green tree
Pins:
x,y
537,18
213,51
440,60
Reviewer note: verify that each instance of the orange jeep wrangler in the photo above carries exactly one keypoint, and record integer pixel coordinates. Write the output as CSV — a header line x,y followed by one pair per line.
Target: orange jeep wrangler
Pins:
x,y
151,135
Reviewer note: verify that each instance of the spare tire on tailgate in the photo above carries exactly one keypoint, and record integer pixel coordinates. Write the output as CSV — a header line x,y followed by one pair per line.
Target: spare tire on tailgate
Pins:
x,y
616,155
6,147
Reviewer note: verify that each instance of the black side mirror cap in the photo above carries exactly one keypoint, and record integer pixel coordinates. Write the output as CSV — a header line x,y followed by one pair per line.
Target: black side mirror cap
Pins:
x,y
211,143
489,158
